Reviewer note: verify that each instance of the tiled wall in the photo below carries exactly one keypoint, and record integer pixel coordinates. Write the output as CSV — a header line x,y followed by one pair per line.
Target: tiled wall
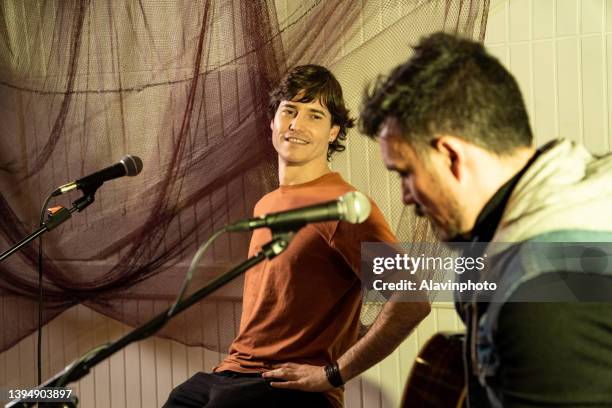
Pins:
x,y
560,53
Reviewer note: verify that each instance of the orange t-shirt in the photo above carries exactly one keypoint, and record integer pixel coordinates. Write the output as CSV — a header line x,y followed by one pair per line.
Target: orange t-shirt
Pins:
x,y
303,306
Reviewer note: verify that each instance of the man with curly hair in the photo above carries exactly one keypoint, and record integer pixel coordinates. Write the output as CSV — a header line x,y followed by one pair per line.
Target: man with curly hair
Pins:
x,y
298,339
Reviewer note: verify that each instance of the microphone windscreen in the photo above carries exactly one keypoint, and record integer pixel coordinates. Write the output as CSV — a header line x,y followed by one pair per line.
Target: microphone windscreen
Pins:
x,y
356,207
132,164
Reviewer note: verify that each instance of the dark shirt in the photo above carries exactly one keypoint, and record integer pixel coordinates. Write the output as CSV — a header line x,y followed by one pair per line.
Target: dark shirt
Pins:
x,y
550,353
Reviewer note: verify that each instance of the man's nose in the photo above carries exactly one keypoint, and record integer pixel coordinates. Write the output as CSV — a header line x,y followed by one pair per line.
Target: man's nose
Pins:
x,y
296,122
407,196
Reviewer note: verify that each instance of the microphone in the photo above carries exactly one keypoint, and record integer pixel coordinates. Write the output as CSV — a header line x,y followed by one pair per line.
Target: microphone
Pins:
x,y
353,207
128,166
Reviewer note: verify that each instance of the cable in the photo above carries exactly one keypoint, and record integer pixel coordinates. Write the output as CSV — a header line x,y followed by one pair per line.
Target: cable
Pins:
x,y
194,263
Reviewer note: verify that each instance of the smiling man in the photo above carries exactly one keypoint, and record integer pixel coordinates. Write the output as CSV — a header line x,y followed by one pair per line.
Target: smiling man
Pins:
x,y
452,123
298,338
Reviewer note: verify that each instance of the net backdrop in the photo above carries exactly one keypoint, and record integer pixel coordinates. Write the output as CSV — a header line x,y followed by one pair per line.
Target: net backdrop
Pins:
x,y
184,86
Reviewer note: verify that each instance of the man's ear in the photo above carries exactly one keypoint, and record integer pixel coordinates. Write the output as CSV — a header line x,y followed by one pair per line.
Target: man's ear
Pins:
x,y
333,133
453,153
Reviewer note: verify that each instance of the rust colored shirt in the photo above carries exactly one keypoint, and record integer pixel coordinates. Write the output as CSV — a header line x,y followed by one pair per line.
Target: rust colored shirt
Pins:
x,y
303,306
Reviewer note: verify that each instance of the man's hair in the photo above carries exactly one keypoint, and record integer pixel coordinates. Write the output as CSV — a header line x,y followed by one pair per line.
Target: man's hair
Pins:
x,y
314,82
450,86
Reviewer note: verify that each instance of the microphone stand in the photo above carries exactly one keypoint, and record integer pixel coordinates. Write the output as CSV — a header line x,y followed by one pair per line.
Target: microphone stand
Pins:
x,y
82,366
55,219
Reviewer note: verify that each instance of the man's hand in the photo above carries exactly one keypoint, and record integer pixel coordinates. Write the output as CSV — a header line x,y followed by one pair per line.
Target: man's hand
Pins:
x,y
302,377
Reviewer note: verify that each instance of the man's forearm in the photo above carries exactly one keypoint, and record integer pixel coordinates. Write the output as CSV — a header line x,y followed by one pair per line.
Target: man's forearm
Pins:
x,y
394,323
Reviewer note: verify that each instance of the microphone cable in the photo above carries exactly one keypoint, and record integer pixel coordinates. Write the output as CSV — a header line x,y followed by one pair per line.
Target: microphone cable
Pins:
x,y
192,267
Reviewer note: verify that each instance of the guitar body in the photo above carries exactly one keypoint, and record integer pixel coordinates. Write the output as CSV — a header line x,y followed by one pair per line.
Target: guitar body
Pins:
x,y
437,378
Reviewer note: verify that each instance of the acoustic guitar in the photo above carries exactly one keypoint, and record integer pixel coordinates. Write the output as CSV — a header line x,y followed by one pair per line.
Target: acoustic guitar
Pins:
x,y
437,378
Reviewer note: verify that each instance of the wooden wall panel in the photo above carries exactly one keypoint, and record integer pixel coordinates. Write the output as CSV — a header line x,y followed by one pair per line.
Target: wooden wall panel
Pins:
x,y
144,373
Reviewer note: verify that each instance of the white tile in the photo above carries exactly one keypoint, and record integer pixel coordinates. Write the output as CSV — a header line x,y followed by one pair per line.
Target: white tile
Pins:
x,y
497,4
591,12
544,92
519,20
497,24
520,67
542,18
609,89
568,84
593,111
566,17
608,11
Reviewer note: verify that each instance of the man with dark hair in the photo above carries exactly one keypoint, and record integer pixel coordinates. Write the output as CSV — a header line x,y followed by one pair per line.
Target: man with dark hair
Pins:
x,y
452,122
311,82
298,339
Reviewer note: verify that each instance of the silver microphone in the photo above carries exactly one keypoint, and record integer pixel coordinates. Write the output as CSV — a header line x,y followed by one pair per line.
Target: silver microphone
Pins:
x,y
353,207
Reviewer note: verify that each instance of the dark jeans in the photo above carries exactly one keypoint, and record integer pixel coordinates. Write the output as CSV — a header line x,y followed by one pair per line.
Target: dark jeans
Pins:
x,y
235,390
